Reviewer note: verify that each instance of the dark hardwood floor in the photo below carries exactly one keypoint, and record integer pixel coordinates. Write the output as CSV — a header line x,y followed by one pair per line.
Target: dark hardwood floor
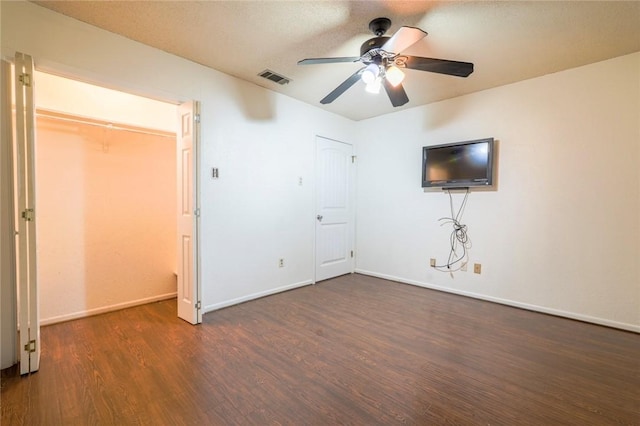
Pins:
x,y
352,350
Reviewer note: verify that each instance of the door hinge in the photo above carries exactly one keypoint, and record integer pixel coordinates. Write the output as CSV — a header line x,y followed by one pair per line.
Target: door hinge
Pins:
x,y
351,253
196,212
25,79
199,305
196,118
353,158
30,347
28,215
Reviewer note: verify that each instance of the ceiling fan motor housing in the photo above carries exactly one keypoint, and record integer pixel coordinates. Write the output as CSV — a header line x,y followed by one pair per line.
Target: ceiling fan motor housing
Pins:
x,y
373,43
378,26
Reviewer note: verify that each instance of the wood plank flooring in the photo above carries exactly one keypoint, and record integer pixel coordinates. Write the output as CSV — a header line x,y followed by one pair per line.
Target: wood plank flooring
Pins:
x,y
352,350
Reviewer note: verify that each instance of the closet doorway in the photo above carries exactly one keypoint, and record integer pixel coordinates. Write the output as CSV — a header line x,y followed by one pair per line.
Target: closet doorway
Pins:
x,y
106,199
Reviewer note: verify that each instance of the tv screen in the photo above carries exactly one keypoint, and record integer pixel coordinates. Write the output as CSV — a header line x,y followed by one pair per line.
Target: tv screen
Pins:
x,y
458,165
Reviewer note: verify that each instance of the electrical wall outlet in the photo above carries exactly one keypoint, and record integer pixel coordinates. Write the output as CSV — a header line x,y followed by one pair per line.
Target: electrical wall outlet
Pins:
x,y
281,263
477,268
432,262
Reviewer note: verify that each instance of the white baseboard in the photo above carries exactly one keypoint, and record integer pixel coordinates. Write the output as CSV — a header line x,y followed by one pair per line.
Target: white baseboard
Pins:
x,y
104,309
238,300
527,306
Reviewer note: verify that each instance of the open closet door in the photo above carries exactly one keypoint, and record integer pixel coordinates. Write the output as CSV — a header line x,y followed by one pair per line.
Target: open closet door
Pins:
x,y
8,296
189,289
28,316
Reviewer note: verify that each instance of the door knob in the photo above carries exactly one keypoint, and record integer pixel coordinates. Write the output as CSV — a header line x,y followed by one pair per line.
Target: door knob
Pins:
x,y
319,217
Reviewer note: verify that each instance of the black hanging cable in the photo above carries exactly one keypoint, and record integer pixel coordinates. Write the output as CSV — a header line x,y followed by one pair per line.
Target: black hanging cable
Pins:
x,y
458,234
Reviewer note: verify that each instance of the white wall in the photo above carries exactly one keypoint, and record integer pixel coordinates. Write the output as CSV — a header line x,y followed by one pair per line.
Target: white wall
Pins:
x,y
562,232
255,213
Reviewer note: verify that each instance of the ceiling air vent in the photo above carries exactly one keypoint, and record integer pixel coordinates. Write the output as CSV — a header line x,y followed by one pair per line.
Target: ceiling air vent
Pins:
x,y
276,78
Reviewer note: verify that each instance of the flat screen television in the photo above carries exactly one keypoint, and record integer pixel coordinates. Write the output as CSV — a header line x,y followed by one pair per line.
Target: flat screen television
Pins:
x,y
458,165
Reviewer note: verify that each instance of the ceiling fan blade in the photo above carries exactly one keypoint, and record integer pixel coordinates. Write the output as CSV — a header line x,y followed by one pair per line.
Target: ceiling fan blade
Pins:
x,y
402,39
313,61
397,95
342,87
441,66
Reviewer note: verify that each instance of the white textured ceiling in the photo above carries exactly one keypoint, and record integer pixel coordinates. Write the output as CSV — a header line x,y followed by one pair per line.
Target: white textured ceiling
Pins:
x,y
507,41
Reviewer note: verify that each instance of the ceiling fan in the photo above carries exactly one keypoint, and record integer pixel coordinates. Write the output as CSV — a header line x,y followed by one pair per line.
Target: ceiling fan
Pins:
x,y
383,60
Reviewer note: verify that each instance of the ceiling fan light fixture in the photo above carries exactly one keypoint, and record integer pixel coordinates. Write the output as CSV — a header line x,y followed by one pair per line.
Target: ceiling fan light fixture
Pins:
x,y
394,75
374,86
370,73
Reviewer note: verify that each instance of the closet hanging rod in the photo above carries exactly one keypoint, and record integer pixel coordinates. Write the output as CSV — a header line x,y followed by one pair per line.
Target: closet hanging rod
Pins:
x,y
101,123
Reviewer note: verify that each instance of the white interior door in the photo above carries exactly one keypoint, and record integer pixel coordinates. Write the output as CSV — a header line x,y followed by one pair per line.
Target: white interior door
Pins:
x,y
28,316
334,209
8,295
189,290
